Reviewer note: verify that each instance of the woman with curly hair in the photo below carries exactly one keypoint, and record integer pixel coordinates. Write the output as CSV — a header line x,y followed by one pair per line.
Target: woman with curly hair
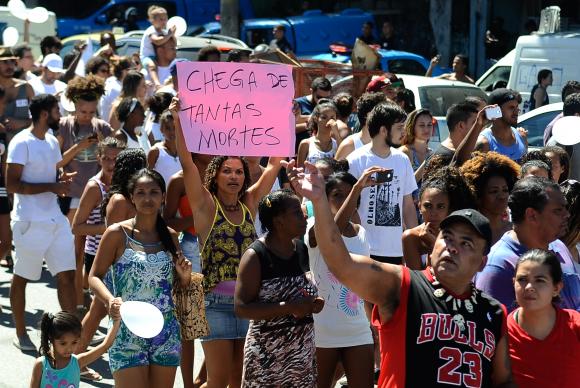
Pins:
x,y
491,177
223,207
78,136
444,192
133,87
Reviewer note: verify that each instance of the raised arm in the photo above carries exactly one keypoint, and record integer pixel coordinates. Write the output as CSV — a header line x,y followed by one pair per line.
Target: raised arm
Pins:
x,y
92,355
69,154
264,185
200,198
378,283
471,141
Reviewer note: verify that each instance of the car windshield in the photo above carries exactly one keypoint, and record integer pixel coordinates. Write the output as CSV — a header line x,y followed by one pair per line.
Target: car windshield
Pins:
x,y
439,98
535,126
496,79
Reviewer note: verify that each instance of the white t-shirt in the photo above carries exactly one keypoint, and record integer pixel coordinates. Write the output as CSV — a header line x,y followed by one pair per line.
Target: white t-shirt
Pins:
x,y
381,207
112,90
342,322
40,87
39,158
147,49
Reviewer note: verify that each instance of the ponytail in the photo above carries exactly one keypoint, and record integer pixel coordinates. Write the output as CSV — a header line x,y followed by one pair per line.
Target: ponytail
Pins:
x,y
45,331
165,235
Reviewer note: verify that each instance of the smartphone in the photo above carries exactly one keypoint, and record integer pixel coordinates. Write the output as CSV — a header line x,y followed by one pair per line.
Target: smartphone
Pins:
x,y
384,176
493,113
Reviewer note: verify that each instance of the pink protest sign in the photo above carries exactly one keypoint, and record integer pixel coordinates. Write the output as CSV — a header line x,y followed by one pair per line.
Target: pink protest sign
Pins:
x,y
241,109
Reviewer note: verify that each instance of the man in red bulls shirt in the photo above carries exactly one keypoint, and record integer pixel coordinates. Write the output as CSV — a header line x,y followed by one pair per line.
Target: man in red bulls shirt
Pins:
x,y
436,329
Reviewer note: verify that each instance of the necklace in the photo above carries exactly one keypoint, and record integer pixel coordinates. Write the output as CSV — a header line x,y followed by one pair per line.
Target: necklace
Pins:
x,y
456,304
231,208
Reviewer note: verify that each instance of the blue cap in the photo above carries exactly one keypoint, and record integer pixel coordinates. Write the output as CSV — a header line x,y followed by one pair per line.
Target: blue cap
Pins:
x,y
173,66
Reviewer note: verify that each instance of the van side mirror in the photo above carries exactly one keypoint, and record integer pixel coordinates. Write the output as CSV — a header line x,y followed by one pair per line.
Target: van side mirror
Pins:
x,y
101,19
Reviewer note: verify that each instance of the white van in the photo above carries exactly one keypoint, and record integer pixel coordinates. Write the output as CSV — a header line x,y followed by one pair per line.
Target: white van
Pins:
x,y
37,30
559,52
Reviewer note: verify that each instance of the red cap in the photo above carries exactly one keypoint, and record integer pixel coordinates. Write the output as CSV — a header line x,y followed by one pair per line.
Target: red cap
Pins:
x,y
377,84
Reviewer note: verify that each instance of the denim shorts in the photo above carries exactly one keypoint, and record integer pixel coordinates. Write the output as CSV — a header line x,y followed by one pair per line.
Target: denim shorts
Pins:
x,y
190,249
223,323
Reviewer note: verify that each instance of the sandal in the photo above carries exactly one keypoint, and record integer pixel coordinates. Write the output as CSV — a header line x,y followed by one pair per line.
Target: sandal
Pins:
x,y
7,262
91,375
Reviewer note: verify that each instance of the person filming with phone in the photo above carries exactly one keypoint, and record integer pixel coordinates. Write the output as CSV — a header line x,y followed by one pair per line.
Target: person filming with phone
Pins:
x,y
387,207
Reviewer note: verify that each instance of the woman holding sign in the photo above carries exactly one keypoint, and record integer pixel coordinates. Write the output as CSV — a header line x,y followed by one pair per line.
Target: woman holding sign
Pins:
x,y
138,258
223,207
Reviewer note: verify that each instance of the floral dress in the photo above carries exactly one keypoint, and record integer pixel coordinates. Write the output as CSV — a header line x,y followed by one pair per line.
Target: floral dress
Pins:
x,y
144,273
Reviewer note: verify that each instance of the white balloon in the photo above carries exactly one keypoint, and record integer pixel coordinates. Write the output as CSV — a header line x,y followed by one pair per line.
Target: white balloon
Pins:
x,y
18,9
179,23
10,36
38,15
142,319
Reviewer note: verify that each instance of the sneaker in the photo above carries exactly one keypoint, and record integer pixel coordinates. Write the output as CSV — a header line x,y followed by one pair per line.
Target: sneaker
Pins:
x,y
24,343
97,338
343,382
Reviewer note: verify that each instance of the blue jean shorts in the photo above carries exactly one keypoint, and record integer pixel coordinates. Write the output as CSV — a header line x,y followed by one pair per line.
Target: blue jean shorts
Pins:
x,y
223,323
190,249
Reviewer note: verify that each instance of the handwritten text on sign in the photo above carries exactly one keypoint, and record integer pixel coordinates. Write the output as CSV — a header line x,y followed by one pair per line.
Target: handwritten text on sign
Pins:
x,y
237,109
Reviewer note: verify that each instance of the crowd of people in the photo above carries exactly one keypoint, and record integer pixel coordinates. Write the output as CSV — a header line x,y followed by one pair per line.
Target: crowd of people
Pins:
x,y
367,254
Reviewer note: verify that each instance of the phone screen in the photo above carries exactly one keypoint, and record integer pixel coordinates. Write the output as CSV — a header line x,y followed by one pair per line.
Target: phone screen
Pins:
x,y
384,176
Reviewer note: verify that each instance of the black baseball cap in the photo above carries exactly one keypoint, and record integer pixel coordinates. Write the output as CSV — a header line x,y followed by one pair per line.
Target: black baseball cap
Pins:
x,y
503,95
474,218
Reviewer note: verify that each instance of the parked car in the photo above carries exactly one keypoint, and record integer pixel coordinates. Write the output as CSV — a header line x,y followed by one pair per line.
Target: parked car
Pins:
x,y
187,46
393,61
309,34
536,121
437,95
98,15
498,75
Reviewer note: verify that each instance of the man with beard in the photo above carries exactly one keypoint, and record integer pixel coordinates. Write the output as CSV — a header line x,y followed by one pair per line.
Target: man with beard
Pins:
x,y
386,208
502,136
435,327
18,94
539,215
40,230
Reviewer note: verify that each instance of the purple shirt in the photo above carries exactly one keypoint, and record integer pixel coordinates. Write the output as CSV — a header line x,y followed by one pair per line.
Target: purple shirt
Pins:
x,y
496,279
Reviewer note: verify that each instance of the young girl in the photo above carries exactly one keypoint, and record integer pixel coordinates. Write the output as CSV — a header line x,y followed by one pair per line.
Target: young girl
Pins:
x,y
544,340
58,365
342,331
272,290
325,139
162,157
444,192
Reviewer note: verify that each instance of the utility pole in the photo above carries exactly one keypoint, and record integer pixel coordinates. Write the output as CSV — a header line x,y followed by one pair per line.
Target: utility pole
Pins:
x,y
229,11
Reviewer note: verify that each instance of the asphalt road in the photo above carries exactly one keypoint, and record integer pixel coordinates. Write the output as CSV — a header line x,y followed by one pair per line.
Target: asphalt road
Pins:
x,y
15,366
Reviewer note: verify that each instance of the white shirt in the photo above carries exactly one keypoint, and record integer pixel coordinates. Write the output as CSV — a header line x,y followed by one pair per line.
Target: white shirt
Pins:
x,y
342,322
40,87
112,90
381,207
147,49
39,158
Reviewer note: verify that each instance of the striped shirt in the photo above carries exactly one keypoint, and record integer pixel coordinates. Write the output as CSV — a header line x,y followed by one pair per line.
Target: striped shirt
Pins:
x,y
92,242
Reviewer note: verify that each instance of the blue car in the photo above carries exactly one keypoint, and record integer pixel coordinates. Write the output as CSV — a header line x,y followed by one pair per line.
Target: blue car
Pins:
x,y
394,61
